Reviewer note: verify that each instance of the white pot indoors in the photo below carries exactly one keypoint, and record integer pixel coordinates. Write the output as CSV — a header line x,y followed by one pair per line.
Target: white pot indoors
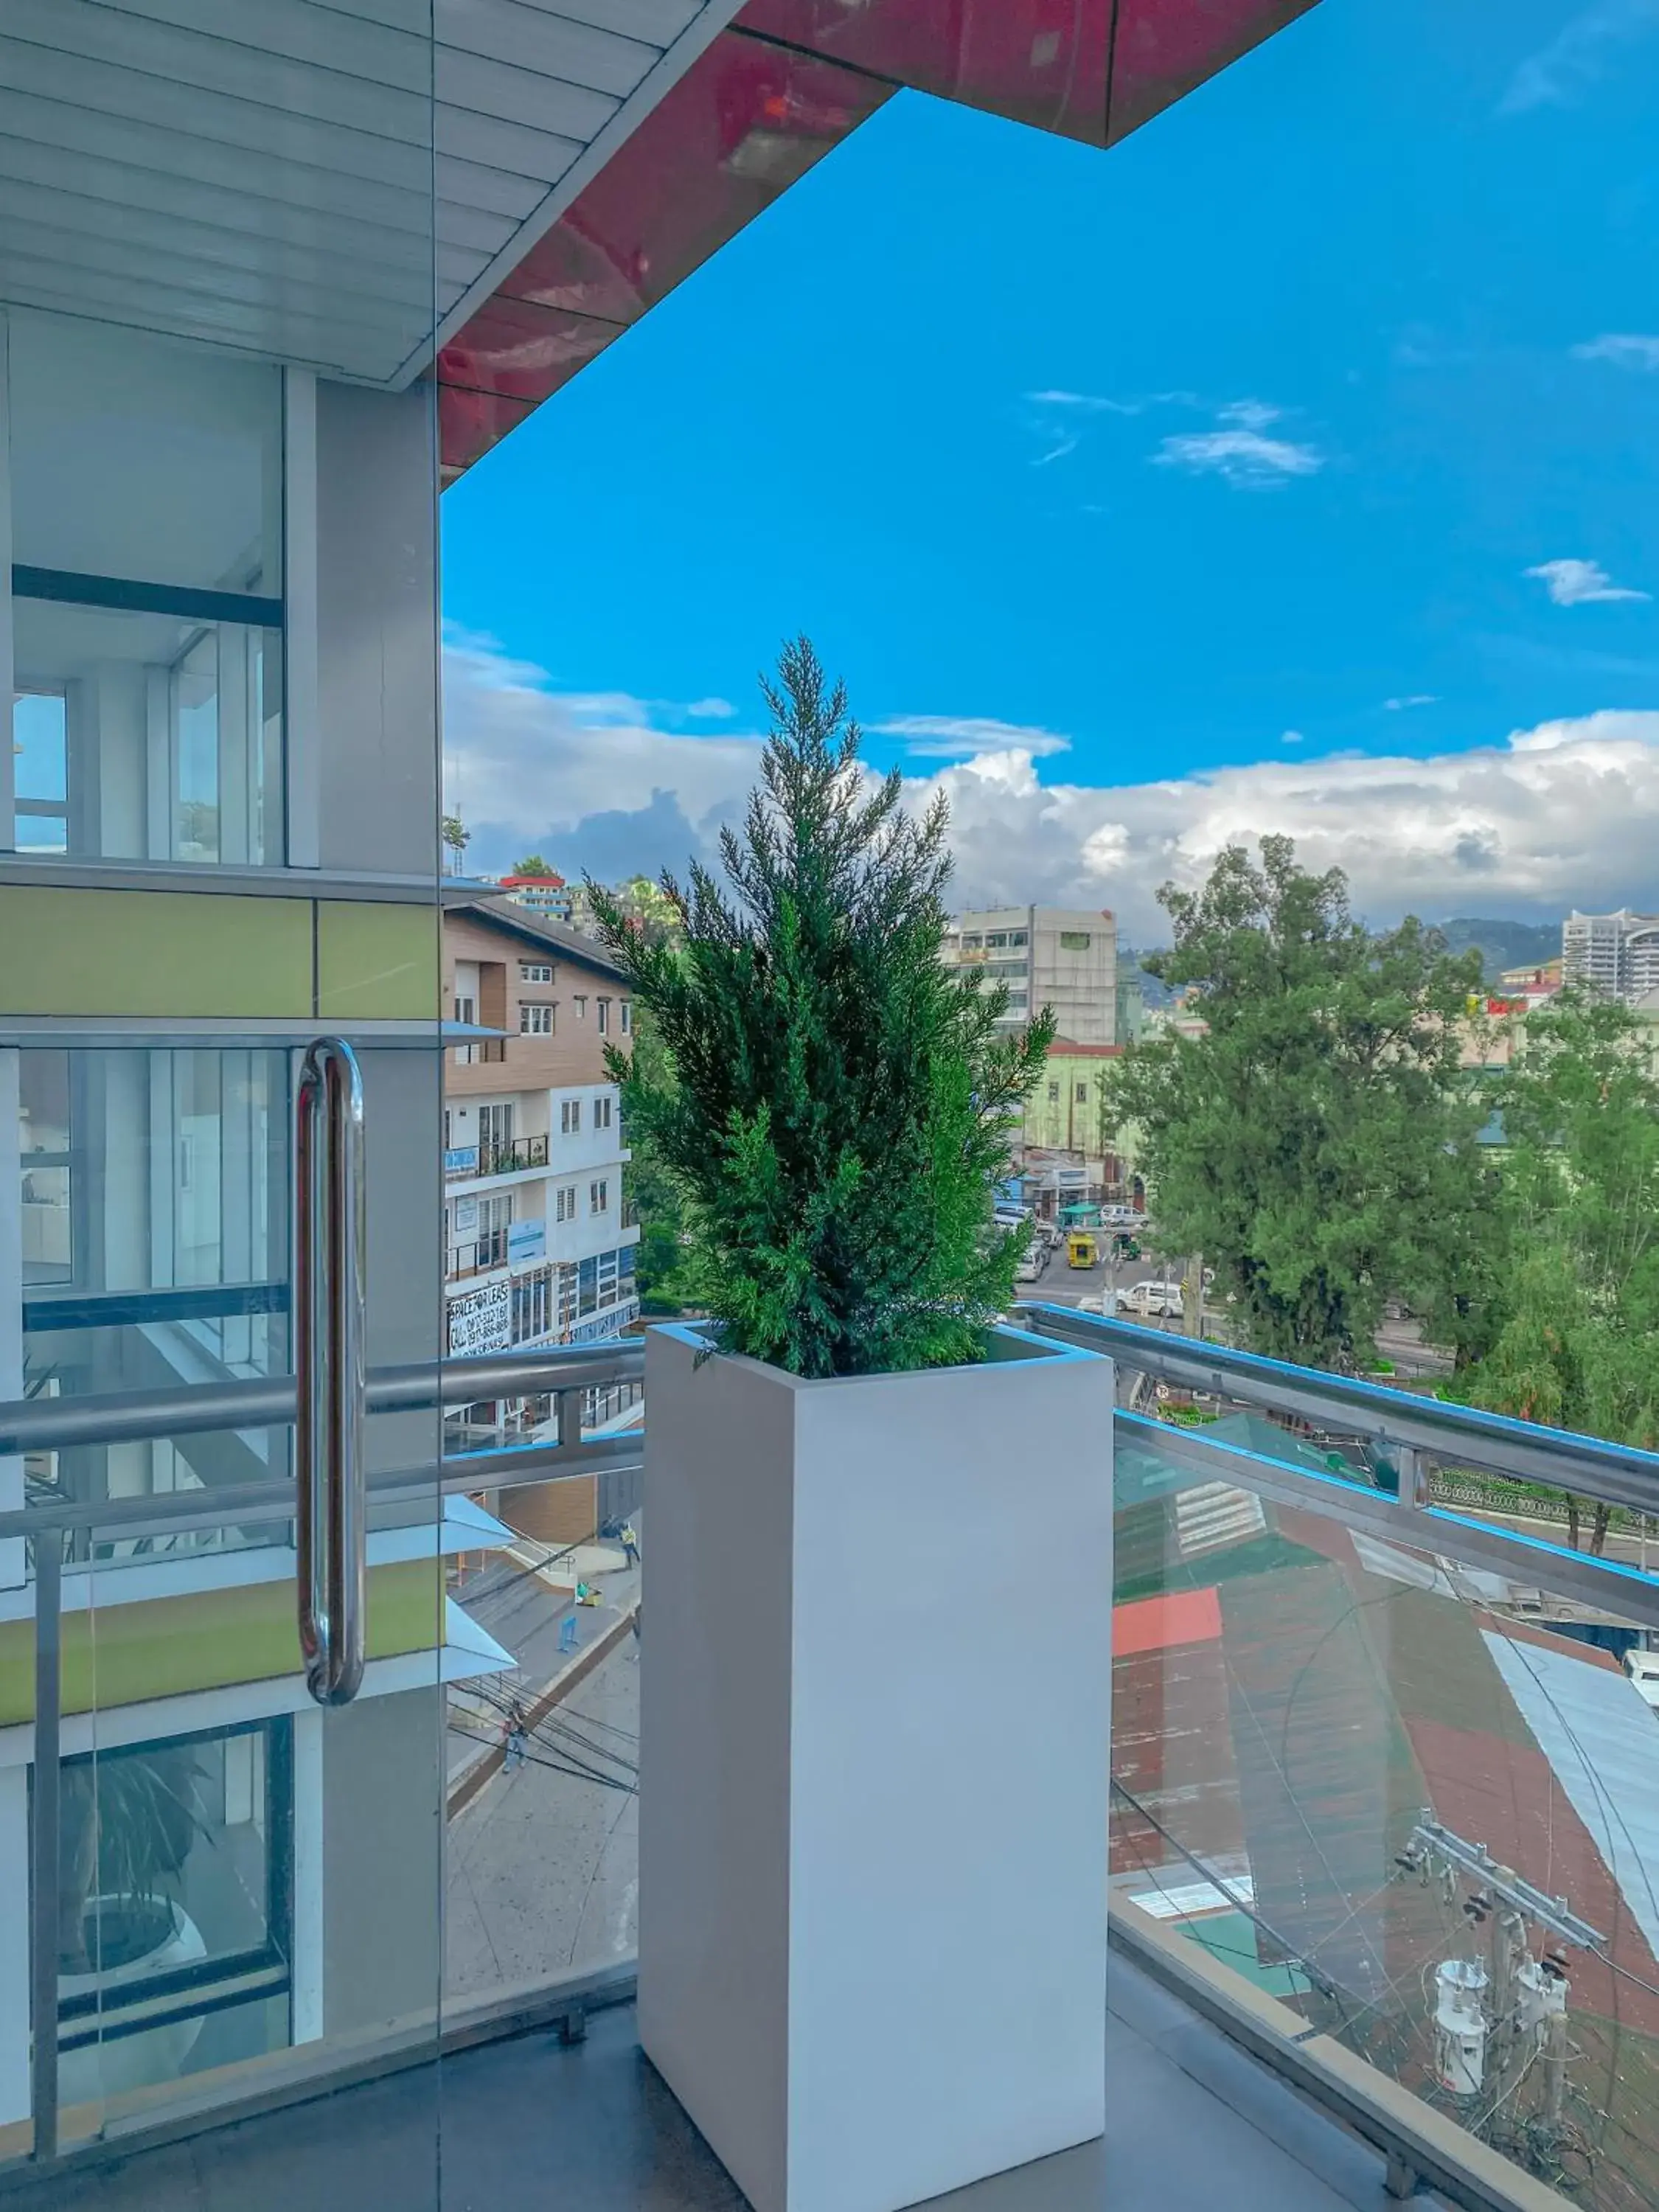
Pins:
x,y
114,2066
875,1730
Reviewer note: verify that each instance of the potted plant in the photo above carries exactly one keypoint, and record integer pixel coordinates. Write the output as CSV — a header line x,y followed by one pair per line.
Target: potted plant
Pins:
x,y
129,1821
875,1697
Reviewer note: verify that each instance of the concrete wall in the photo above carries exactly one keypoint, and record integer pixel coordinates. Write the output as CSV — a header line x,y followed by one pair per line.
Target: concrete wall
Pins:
x,y
377,631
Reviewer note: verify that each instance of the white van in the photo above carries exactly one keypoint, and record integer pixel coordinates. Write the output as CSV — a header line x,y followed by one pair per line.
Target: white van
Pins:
x,y
1643,1667
1151,1301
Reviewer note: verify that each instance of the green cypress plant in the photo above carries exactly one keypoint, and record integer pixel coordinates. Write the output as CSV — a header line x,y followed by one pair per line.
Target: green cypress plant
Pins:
x,y
836,1106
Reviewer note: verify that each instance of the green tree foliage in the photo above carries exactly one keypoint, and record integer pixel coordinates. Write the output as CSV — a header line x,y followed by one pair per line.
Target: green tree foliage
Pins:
x,y
1318,1144
1578,1343
455,835
649,1184
532,865
842,1103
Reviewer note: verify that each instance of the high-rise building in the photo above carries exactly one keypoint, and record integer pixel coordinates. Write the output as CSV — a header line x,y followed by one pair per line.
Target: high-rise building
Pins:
x,y
1615,953
550,895
1048,956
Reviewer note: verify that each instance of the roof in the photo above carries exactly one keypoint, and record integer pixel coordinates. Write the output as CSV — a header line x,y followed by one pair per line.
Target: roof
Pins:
x,y
1064,1045
537,929
662,188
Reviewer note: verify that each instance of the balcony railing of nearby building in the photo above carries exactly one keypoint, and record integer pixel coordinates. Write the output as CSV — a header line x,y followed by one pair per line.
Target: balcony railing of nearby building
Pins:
x,y
478,1255
1386,1776
499,1155
490,1051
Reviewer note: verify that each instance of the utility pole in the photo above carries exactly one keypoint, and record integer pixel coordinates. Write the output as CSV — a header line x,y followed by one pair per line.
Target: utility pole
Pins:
x,y
1192,1296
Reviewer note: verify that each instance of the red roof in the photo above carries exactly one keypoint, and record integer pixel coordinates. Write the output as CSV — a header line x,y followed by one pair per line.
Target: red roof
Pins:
x,y
1155,1623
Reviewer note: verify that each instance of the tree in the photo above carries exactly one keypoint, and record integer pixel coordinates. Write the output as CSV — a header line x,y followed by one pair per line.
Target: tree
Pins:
x,y
456,837
651,1186
1578,1343
1317,1143
842,1103
533,864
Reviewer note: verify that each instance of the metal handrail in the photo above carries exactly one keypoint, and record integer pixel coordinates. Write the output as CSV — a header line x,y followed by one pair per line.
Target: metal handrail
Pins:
x,y
115,1417
330,1264
1614,1474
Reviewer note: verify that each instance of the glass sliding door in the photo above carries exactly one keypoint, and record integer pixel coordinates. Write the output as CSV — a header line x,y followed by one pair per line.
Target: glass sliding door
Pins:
x,y
219,818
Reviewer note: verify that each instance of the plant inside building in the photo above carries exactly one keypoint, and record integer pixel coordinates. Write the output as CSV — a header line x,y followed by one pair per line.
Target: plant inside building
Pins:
x,y
836,1106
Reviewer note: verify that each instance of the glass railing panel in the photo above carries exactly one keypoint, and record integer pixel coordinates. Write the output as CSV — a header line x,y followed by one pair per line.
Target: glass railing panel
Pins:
x,y
544,1767
1411,1798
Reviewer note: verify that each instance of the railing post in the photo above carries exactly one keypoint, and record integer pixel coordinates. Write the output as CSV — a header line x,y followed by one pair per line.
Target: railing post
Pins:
x,y
46,1808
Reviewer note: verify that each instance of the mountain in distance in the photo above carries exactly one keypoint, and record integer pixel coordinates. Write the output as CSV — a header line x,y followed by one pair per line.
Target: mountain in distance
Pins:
x,y
1504,944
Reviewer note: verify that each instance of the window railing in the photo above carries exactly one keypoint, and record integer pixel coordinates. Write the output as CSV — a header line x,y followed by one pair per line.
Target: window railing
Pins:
x,y
511,1153
478,1255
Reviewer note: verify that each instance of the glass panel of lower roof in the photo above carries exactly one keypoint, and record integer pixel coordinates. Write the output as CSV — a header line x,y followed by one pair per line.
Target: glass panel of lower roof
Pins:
x,y
1415,1801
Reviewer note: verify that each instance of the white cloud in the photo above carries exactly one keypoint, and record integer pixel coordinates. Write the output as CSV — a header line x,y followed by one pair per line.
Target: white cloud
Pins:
x,y
1578,56
959,737
1624,348
1055,452
1292,737
1242,457
1413,699
1087,403
711,710
1581,583
1563,814
1248,414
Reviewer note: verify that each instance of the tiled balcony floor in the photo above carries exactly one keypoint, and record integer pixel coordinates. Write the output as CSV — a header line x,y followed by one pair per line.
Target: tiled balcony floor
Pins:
x,y
1192,2122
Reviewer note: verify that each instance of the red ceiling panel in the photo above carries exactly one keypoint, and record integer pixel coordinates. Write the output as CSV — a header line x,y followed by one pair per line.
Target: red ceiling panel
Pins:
x,y
1165,48
522,350
1042,62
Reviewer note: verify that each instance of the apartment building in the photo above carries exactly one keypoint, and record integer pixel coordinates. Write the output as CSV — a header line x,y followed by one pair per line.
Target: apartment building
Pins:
x,y
536,1250
551,896
1048,956
1615,953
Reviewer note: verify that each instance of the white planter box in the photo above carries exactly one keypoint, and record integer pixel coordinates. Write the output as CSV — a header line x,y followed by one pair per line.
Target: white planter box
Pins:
x,y
876,1691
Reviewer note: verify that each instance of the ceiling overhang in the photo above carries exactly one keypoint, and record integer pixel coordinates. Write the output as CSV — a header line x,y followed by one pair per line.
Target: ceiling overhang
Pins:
x,y
765,98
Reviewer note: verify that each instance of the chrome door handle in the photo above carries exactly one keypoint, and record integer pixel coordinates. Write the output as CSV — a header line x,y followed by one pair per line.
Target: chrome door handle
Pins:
x,y
330,1240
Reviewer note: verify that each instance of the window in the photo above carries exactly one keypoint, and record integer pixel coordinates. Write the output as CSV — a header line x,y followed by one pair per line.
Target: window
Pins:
x,y
1082,1094
1016,937
570,1117
535,1021
997,942
1053,1094
581,1007
532,1305
607,1278
535,971
1074,941
602,1113
564,1204
970,939
207,1825
627,1016
599,1196
148,644
604,1016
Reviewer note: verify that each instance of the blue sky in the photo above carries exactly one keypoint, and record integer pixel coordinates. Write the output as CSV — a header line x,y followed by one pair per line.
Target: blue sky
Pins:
x,y
1336,385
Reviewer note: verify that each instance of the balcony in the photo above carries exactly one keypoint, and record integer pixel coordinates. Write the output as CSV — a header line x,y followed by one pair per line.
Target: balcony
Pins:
x,y
1373,1721
505,1156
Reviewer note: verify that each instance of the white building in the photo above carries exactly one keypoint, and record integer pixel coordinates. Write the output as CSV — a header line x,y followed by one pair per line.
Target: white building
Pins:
x,y
1617,953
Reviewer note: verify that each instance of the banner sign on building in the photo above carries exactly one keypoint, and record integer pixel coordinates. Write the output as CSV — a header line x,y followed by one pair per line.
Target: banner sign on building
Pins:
x,y
461,1160
482,1320
526,1241
466,1217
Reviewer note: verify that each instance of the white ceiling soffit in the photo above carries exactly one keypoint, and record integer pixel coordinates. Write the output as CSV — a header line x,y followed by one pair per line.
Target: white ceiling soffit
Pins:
x,y
318,181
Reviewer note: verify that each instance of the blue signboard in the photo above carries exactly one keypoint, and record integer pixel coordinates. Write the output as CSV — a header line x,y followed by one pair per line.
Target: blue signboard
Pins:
x,y
461,1160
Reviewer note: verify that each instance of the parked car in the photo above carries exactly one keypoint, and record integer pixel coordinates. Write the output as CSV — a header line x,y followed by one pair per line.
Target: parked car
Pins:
x,y
1032,1263
1152,1301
